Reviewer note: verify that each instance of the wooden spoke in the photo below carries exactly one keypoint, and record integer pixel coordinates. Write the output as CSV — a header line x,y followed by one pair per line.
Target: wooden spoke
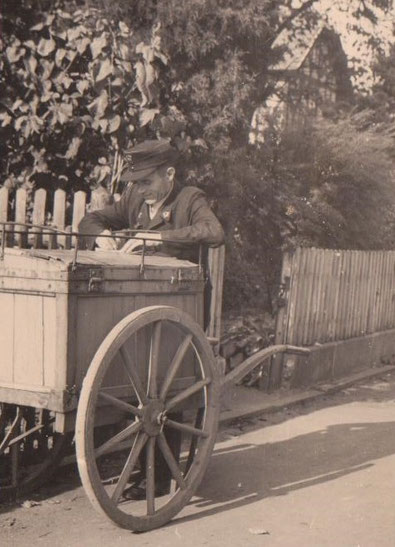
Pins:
x,y
27,433
153,360
120,404
194,441
13,429
175,365
171,461
139,442
186,428
186,393
128,431
133,376
150,475
29,429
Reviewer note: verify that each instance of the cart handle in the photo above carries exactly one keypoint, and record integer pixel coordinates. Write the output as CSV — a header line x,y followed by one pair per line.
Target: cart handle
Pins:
x,y
255,360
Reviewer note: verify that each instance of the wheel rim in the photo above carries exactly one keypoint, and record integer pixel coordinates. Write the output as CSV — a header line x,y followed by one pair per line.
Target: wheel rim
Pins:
x,y
155,375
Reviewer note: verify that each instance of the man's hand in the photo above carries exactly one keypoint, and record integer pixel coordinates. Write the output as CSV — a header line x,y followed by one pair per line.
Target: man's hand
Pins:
x,y
106,243
154,240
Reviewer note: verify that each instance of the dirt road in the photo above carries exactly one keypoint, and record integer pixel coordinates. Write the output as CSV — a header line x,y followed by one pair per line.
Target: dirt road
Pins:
x,y
321,474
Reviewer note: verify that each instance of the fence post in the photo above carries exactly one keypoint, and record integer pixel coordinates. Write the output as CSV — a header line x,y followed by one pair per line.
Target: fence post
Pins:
x,y
40,197
276,365
20,216
78,211
4,211
3,204
59,215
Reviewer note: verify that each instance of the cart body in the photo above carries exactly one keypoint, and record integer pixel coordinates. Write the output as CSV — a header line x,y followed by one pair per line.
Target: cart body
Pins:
x,y
109,348
55,312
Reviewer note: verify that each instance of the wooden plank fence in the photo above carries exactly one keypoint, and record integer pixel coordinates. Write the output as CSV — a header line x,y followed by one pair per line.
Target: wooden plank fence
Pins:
x,y
332,295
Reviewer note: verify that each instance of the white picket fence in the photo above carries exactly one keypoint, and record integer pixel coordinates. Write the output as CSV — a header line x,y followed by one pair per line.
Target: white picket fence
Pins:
x,y
39,215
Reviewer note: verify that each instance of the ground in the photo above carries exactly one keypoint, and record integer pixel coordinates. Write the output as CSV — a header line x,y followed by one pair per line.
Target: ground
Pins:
x,y
317,474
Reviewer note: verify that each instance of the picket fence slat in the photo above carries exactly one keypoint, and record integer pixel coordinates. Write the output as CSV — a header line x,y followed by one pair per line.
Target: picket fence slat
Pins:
x,y
40,197
294,279
388,291
336,295
3,204
59,216
343,301
361,292
79,207
369,297
20,216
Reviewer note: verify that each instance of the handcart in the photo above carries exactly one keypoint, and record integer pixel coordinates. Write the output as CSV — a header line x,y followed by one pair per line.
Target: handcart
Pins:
x,y
108,349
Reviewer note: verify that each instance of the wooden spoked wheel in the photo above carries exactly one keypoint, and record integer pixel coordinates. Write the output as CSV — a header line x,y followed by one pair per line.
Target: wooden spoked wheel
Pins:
x,y
147,415
30,449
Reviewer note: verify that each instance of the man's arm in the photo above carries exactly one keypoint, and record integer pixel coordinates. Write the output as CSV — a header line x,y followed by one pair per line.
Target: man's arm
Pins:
x,y
203,227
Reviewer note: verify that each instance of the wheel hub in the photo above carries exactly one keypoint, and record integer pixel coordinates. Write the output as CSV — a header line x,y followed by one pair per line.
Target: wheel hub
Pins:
x,y
153,417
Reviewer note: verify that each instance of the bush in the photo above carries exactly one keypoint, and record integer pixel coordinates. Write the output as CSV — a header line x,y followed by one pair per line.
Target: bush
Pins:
x,y
339,182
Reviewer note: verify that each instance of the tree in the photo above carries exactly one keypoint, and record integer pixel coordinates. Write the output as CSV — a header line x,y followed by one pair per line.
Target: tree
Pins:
x,y
79,84
76,89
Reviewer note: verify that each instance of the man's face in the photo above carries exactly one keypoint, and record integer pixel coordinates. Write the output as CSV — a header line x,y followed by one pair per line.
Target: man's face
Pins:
x,y
155,186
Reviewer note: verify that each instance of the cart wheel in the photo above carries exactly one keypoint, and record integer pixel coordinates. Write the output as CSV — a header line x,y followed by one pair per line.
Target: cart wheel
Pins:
x,y
154,375
29,449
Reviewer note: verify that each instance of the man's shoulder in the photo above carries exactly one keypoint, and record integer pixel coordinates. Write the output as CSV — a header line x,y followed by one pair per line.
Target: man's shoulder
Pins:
x,y
189,193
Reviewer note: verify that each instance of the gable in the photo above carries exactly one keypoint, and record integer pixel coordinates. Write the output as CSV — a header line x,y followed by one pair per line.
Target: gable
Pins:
x,y
311,77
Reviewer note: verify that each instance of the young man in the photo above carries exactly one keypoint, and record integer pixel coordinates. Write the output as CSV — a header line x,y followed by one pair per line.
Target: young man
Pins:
x,y
180,216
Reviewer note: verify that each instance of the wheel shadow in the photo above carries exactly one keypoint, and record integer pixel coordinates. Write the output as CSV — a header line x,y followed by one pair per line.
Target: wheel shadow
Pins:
x,y
246,473
249,472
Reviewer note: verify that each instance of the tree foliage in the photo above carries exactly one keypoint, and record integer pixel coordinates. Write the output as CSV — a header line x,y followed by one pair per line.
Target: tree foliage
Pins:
x,y
76,89
343,174
220,52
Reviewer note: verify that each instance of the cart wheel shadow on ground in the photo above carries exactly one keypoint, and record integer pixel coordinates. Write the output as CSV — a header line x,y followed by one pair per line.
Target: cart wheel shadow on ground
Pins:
x,y
246,473
251,472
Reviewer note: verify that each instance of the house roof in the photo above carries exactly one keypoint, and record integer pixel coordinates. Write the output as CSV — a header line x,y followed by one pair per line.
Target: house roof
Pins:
x,y
298,43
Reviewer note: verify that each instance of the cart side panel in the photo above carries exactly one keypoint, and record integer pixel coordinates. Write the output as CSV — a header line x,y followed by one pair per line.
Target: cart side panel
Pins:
x,y
29,340
51,342
96,316
55,314
6,337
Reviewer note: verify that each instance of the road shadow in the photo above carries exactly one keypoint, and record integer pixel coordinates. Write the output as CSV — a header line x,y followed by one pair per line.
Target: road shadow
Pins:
x,y
252,472
247,473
